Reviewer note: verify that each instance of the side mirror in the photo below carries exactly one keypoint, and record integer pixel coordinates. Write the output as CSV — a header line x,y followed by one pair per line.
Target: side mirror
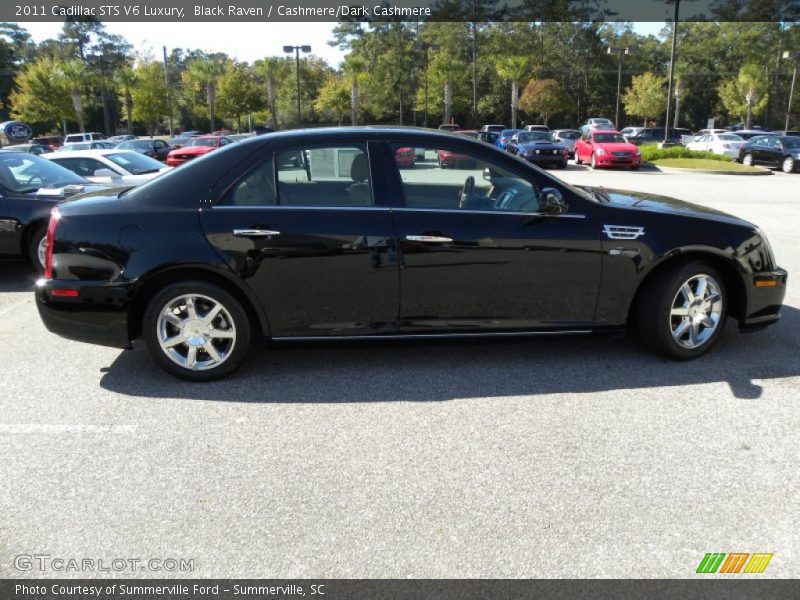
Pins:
x,y
108,173
551,202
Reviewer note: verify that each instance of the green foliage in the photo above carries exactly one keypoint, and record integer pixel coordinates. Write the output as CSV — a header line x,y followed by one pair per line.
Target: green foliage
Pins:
x,y
746,95
542,98
646,97
238,93
333,101
150,94
652,152
41,95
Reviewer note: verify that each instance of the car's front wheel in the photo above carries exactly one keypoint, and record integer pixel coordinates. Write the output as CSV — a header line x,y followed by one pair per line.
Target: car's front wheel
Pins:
x,y
788,164
682,313
747,160
196,330
37,249
593,162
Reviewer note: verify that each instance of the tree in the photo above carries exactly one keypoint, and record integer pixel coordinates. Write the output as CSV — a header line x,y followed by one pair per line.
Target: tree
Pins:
x,y
447,69
237,92
40,95
272,70
206,72
354,67
73,73
543,98
150,94
514,68
334,98
646,97
746,95
125,78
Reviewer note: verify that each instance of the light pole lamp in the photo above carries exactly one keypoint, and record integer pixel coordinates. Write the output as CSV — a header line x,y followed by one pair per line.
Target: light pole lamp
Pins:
x,y
426,48
621,52
793,54
296,49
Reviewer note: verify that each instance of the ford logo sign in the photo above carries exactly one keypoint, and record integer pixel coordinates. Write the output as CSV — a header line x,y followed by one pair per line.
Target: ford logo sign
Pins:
x,y
16,131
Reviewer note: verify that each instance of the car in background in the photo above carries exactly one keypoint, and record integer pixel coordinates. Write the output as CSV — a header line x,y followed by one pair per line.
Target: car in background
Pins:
x,y
452,159
118,167
488,137
191,133
567,138
536,128
116,139
782,151
158,149
628,131
539,148
449,127
792,133
196,146
30,148
84,137
494,128
85,146
30,186
597,123
178,142
206,260
606,149
654,135
726,144
238,137
54,142
698,134
404,157
505,137
747,134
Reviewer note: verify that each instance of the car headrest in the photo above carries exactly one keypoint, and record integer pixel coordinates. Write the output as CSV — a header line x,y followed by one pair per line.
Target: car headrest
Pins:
x,y
359,170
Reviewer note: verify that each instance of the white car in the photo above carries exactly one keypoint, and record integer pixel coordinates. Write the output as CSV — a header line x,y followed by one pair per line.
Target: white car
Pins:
x,y
92,136
718,143
119,167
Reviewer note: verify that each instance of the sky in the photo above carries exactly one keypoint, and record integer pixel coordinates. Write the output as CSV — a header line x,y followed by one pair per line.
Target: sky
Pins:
x,y
251,41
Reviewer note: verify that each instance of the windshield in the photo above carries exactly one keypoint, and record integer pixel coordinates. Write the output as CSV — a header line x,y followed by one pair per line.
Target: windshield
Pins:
x,y
27,173
608,138
533,136
135,145
135,163
212,142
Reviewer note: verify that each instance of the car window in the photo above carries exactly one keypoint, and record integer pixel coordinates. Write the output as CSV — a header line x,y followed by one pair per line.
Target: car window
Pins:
x,y
85,167
325,175
134,162
257,188
608,138
452,178
29,172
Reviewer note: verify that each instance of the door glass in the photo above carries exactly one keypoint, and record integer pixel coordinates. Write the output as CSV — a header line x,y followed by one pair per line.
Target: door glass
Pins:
x,y
330,175
449,178
257,188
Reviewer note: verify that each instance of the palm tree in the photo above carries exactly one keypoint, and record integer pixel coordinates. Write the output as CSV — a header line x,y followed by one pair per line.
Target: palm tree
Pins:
x,y
447,68
514,68
353,67
73,72
270,69
206,72
125,78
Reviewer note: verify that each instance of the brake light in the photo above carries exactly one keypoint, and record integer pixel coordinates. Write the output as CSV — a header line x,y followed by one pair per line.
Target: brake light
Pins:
x,y
51,235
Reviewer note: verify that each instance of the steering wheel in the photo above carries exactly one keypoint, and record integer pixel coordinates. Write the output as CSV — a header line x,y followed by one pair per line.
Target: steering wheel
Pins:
x,y
466,191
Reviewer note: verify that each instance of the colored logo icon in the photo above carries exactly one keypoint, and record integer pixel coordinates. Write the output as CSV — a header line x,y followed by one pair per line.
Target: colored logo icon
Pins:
x,y
734,562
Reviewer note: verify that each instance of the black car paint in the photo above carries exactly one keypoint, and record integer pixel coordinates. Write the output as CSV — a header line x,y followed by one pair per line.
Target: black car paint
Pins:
x,y
503,272
771,150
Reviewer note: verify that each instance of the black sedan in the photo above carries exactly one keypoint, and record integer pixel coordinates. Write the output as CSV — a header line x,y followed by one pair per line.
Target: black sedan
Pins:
x,y
317,234
539,148
30,187
782,151
157,149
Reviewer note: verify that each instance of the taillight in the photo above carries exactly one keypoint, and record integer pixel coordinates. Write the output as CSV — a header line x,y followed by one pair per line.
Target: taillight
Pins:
x,y
51,236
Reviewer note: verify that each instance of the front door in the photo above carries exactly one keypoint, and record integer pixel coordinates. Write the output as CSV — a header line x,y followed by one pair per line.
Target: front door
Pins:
x,y
478,255
305,232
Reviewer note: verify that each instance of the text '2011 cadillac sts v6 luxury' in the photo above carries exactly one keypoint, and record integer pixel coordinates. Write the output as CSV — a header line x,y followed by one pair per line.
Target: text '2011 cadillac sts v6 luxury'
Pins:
x,y
317,234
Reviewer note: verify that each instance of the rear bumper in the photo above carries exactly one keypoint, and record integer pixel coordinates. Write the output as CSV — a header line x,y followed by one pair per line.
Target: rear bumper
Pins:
x,y
764,302
97,315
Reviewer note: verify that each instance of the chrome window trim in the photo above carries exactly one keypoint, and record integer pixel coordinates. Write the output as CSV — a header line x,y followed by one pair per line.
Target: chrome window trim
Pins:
x,y
398,209
288,207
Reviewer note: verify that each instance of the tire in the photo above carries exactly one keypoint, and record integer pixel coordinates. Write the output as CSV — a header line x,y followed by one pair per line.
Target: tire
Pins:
x,y
747,160
592,162
787,166
231,322
670,323
577,159
36,248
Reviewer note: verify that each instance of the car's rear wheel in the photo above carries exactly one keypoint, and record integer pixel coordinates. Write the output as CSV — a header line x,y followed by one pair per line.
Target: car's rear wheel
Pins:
x,y
196,330
682,313
747,160
37,249
788,164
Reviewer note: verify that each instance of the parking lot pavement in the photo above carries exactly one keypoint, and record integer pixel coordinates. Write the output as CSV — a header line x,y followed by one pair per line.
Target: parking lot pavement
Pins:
x,y
562,458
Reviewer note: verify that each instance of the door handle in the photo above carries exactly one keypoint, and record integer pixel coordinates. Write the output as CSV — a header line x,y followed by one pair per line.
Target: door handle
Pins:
x,y
429,238
255,232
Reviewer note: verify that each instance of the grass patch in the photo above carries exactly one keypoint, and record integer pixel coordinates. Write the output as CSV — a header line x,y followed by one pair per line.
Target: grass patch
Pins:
x,y
653,153
703,163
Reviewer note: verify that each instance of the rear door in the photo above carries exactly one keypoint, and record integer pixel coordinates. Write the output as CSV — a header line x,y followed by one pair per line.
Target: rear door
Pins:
x,y
308,230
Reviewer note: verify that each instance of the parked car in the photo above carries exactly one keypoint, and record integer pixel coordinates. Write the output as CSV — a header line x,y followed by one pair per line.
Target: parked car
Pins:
x,y
539,148
493,128
53,142
118,167
201,261
238,137
488,137
30,148
606,149
781,151
698,134
92,136
792,133
158,149
449,127
628,131
567,138
597,123
536,128
85,146
191,133
116,139
30,186
726,144
195,147
747,134
404,157
505,137
654,135
178,142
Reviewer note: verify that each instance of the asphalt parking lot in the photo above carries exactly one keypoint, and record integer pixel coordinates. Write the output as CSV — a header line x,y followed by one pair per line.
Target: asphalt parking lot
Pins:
x,y
559,458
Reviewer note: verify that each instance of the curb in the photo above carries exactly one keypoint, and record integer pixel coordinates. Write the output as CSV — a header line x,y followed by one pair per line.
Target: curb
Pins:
x,y
759,171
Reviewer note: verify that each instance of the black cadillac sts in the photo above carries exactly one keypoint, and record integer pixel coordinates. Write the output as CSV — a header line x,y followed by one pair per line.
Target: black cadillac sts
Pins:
x,y
317,234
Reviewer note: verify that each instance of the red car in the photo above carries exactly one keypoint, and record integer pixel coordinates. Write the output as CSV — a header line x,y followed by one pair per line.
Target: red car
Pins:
x,y
196,146
404,157
605,148
452,159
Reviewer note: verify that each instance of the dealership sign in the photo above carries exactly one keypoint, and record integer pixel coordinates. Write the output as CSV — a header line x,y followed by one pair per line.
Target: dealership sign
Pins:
x,y
15,131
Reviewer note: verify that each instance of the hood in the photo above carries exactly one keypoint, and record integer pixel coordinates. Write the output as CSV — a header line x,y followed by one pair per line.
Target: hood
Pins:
x,y
616,146
193,150
665,204
540,145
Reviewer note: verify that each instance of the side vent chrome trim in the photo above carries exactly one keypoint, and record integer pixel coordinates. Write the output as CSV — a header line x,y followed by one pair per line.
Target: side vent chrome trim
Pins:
x,y
623,232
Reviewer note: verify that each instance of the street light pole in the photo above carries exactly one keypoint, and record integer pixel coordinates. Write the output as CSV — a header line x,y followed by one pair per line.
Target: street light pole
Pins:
x,y
296,49
795,55
671,67
622,52
169,98
426,48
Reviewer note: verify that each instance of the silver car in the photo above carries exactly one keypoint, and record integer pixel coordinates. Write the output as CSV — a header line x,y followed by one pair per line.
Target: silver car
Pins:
x,y
567,138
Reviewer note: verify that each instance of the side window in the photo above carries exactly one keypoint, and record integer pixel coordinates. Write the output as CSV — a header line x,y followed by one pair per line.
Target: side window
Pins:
x,y
450,178
223,142
329,175
257,188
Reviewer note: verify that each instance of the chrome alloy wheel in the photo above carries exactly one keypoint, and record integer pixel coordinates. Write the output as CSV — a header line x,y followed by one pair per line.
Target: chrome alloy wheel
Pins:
x,y
696,311
41,251
788,165
196,332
